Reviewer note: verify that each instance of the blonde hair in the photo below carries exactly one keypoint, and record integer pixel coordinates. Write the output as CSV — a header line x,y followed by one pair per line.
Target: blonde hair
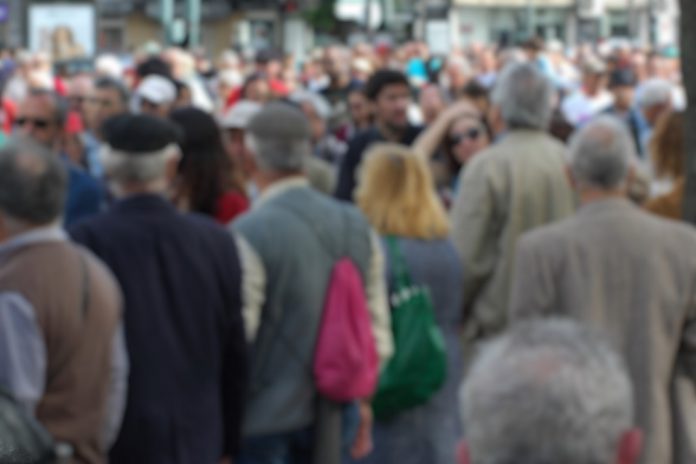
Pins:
x,y
397,194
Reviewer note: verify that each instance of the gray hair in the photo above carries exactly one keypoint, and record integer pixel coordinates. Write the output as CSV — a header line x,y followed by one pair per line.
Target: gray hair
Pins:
x,y
601,153
143,168
279,155
319,103
115,84
549,391
33,183
654,92
524,96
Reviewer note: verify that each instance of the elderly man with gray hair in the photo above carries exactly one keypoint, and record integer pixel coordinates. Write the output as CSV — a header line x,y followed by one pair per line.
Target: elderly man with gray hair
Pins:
x,y
62,355
549,392
515,185
618,268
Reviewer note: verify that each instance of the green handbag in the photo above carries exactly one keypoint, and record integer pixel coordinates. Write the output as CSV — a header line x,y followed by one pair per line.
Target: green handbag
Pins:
x,y
418,368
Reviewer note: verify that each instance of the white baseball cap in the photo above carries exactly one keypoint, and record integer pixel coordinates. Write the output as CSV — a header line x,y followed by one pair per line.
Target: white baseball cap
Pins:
x,y
239,115
157,89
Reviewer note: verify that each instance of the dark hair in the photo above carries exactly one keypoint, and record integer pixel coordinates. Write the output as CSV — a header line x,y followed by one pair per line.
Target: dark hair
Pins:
x,y
453,163
206,171
475,90
115,84
381,79
61,107
154,66
31,192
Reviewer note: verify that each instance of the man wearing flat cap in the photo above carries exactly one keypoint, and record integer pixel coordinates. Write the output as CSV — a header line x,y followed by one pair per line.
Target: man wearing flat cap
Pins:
x,y
290,241
180,276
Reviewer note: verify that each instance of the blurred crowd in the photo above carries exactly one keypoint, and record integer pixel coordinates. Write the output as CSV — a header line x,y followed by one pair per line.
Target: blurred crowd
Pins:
x,y
174,225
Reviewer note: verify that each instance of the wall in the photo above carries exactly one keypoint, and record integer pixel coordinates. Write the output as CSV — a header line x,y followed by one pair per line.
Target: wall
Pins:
x,y
139,30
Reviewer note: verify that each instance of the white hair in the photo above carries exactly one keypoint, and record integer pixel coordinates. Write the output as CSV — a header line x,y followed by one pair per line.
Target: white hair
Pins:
x,y
319,103
231,78
548,391
654,92
109,66
143,168
524,96
461,64
279,155
601,153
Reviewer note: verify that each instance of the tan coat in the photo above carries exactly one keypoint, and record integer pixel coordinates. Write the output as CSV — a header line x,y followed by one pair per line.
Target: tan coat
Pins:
x,y
632,275
508,189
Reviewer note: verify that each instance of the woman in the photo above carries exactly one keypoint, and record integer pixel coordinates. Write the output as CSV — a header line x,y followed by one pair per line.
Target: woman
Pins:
x,y
208,182
456,136
397,195
667,148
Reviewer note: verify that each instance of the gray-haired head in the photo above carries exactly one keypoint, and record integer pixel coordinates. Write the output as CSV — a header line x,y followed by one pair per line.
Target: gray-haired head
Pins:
x,y
655,92
524,96
279,138
601,154
548,391
319,103
33,183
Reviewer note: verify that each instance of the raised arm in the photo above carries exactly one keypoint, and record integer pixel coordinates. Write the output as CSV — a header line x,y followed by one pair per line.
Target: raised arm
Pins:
x,y
431,138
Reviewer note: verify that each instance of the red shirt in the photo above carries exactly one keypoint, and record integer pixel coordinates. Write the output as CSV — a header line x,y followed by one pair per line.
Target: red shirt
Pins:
x,y
229,206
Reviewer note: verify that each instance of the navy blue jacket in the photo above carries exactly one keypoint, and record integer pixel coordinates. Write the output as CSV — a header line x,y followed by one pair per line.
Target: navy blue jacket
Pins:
x,y
86,195
180,275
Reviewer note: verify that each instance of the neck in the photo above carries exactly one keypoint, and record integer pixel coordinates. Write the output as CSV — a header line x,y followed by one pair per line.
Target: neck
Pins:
x,y
390,133
588,196
264,180
11,228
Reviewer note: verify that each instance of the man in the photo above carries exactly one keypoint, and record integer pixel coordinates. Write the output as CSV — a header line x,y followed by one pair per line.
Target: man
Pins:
x,y
389,92
622,84
654,99
631,274
549,392
337,64
511,187
592,98
42,116
181,282
79,88
156,96
109,97
62,355
291,241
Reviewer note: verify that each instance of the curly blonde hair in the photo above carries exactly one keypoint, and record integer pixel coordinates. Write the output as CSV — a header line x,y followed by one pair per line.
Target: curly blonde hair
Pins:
x,y
667,145
397,194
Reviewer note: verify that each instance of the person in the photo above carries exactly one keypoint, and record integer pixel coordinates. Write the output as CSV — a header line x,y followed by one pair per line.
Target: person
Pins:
x,y
180,276
457,135
397,196
509,188
337,64
592,98
109,97
620,269
290,282
457,74
654,99
360,115
156,96
667,149
62,355
326,146
208,182
432,102
622,84
42,117
389,92
549,391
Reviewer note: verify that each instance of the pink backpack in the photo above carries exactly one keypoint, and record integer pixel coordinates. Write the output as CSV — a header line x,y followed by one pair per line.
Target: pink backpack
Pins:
x,y
346,365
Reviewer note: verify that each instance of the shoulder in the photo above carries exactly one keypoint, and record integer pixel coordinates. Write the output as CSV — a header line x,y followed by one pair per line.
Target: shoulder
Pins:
x,y
548,236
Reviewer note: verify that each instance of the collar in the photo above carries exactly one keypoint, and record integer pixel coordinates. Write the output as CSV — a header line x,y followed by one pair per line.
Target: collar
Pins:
x,y
598,206
143,202
281,187
52,233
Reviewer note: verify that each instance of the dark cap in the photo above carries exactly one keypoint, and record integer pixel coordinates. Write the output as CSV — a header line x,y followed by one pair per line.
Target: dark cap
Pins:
x,y
279,121
624,77
266,55
139,134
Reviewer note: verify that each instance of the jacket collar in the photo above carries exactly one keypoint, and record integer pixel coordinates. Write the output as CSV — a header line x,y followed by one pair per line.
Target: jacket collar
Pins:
x,y
52,233
609,204
147,202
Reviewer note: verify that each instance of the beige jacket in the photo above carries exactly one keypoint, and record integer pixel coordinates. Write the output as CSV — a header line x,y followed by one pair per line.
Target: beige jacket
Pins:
x,y
633,276
510,188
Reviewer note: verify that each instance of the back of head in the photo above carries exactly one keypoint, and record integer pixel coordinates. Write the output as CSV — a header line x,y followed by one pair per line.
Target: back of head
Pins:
x,y
109,82
397,195
109,66
32,183
279,137
547,392
601,154
655,92
524,96
381,79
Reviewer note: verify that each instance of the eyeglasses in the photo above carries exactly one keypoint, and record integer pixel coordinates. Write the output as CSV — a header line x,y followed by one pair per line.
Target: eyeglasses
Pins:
x,y
474,133
36,122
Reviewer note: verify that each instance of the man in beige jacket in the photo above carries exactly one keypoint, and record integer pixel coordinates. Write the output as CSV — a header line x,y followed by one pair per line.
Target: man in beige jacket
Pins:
x,y
628,273
517,184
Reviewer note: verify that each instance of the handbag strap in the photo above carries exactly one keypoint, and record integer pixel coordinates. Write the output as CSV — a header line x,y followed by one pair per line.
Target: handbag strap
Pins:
x,y
398,263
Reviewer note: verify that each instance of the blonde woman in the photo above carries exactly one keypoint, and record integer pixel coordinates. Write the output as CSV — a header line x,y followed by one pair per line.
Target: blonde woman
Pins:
x,y
397,195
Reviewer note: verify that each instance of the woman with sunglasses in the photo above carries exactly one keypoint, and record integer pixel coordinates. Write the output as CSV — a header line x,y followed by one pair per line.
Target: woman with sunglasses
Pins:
x,y
456,136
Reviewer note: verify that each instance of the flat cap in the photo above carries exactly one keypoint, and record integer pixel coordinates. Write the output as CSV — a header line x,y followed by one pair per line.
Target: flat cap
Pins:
x,y
140,133
279,121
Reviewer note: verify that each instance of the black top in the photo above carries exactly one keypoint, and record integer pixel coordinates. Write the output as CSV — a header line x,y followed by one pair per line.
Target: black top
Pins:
x,y
181,281
357,147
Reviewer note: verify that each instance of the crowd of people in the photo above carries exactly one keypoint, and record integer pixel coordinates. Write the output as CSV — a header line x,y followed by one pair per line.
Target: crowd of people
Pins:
x,y
175,230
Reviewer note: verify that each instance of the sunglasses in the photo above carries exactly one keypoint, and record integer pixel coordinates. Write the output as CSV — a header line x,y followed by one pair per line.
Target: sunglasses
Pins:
x,y
36,122
474,133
